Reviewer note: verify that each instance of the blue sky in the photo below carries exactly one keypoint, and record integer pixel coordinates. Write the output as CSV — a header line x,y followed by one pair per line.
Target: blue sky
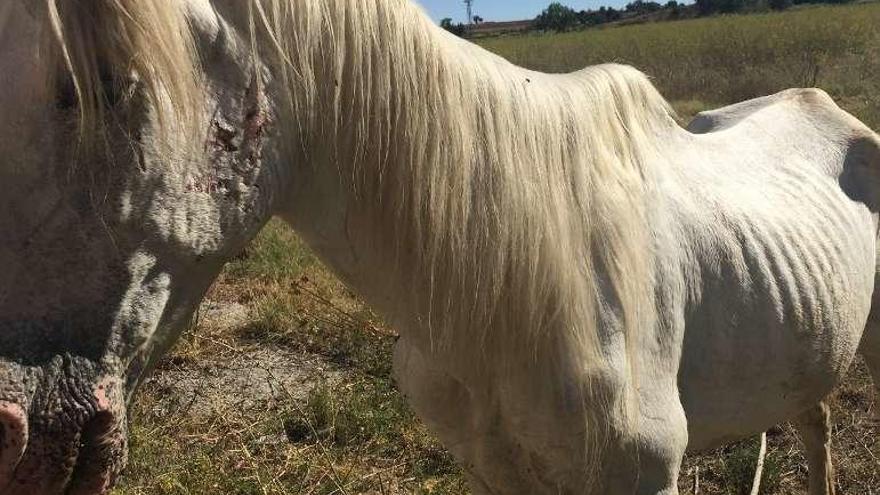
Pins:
x,y
505,10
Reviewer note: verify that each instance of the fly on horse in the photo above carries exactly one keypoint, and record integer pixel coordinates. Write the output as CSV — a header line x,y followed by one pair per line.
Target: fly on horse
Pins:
x,y
584,290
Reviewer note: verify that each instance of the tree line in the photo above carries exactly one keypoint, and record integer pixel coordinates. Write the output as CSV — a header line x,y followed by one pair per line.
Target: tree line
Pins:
x,y
559,17
709,7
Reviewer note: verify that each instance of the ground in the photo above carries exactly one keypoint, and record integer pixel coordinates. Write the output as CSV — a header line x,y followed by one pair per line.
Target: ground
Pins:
x,y
281,386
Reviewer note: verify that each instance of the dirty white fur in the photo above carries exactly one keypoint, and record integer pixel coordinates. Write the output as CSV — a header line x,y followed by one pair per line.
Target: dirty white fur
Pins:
x,y
583,289
543,242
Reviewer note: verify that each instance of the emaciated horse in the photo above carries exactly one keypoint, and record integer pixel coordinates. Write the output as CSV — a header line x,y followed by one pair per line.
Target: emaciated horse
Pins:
x,y
583,289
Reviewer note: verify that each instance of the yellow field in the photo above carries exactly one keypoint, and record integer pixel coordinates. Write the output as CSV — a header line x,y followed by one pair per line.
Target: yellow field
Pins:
x,y
720,60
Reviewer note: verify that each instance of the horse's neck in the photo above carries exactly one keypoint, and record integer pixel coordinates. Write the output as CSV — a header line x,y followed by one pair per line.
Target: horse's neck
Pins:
x,y
385,137
460,194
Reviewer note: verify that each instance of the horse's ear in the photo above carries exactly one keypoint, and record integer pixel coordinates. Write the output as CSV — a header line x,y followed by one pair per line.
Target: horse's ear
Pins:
x,y
36,8
147,40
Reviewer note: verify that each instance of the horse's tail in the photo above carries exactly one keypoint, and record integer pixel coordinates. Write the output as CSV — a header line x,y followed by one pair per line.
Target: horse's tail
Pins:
x,y
863,164
861,171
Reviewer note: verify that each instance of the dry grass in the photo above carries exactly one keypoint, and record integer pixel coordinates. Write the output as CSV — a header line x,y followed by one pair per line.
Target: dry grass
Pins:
x,y
348,431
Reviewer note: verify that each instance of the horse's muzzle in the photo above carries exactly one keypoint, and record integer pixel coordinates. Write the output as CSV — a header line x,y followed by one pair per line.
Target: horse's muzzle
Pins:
x,y
70,445
13,439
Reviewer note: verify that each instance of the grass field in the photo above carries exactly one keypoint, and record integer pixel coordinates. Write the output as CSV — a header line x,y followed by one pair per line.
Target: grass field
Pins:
x,y
719,60
340,427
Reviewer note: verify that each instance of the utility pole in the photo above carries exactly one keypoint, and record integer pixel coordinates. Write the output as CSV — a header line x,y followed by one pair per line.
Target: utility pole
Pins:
x,y
470,11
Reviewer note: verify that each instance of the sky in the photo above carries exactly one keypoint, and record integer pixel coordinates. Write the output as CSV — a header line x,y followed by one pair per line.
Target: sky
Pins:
x,y
505,10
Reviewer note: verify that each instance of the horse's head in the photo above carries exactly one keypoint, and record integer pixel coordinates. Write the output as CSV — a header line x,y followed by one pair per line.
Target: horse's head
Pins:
x,y
129,175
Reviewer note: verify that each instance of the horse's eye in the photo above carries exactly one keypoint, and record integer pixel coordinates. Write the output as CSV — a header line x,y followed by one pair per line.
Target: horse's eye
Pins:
x,y
111,86
109,90
65,95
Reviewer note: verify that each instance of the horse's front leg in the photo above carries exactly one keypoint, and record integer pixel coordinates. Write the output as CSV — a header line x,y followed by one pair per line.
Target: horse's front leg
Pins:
x,y
663,440
814,426
657,446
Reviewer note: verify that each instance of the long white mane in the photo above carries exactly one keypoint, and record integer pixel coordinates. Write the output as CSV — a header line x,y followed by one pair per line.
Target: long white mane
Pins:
x,y
499,185
506,208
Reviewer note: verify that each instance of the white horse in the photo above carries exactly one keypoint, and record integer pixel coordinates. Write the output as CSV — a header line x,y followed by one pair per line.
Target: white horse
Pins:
x,y
583,289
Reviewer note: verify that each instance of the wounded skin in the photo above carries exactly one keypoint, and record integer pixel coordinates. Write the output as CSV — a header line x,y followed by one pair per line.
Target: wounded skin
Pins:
x,y
13,437
77,414
77,409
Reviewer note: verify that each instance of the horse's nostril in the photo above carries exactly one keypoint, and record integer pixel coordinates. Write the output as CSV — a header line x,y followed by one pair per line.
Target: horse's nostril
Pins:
x,y
98,439
96,431
13,439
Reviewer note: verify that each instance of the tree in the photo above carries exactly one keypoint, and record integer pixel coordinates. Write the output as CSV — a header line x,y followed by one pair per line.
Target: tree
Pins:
x,y
642,7
611,14
780,4
708,7
557,17
478,19
589,18
601,16
456,29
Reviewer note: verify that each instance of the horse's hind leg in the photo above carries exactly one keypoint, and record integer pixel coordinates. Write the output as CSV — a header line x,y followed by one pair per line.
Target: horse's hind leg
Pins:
x,y
870,345
814,426
872,360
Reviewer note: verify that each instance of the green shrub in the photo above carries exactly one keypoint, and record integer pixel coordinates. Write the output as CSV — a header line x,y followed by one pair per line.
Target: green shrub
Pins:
x,y
557,17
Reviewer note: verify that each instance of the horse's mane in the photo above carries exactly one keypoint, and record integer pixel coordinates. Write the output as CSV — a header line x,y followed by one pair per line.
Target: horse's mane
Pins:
x,y
504,185
510,203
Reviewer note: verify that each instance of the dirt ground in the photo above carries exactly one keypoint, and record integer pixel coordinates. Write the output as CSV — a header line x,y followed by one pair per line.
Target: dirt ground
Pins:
x,y
241,378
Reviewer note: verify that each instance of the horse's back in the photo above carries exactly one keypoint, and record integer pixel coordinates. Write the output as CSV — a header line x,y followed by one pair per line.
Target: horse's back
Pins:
x,y
813,106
